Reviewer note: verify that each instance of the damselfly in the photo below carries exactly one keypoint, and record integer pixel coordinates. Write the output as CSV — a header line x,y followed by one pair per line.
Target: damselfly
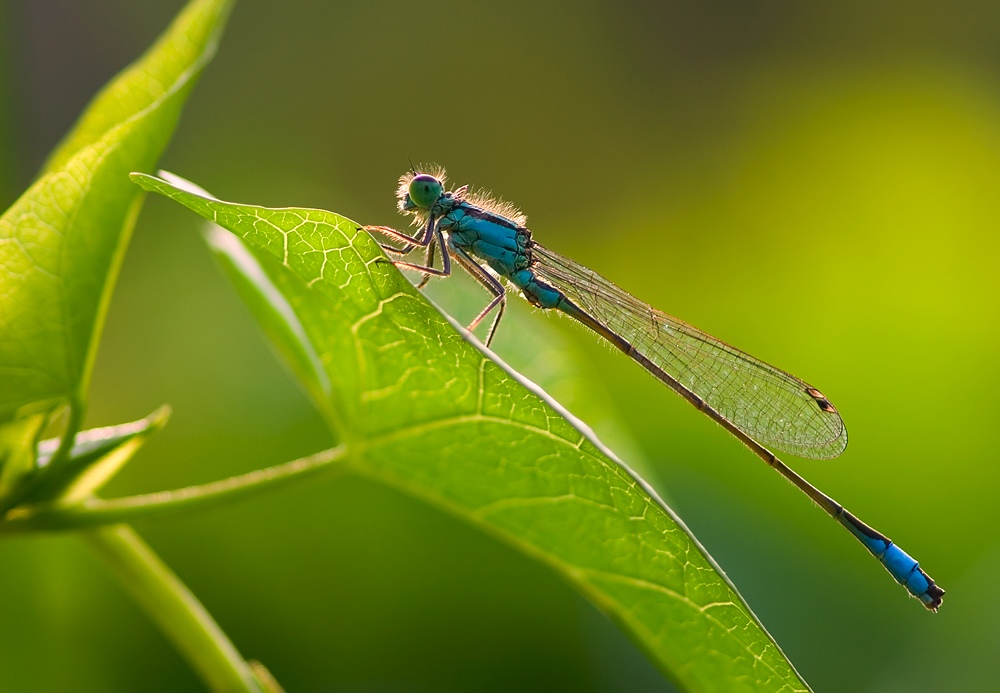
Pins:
x,y
756,402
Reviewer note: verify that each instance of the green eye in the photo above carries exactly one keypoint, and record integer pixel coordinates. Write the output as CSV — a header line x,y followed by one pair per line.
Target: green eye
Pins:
x,y
424,190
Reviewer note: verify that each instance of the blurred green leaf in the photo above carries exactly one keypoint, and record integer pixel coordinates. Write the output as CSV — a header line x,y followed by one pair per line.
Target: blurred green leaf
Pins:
x,y
96,456
421,409
17,450
61,247
62,242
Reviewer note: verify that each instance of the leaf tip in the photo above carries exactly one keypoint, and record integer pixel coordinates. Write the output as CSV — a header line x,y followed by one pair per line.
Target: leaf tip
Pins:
x,y
143,180
159,418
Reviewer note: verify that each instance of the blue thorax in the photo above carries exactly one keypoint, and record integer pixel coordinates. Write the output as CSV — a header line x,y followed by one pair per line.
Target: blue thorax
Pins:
x,y
498,241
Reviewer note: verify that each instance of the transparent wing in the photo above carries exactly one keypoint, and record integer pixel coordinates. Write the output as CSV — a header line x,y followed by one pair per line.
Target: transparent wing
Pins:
x,y
771,406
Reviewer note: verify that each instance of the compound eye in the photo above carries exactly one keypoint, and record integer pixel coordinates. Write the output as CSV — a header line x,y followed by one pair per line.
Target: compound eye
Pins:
x,y
424,190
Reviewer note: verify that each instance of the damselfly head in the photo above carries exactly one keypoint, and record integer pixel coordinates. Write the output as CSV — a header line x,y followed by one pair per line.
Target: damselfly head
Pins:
x,y
418,191
423,191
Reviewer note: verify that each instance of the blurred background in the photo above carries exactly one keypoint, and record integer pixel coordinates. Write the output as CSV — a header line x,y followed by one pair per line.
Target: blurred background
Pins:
x,y
815,183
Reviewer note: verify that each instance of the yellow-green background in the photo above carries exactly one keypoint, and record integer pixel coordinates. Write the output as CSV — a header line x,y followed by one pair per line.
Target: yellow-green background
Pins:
x,y
818,183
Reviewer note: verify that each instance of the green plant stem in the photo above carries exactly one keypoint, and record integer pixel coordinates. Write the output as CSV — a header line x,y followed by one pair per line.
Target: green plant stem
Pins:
x,y
97,511
173,608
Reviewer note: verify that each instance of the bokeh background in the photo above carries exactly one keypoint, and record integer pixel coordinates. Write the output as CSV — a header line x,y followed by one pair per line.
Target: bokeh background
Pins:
x,y
814,182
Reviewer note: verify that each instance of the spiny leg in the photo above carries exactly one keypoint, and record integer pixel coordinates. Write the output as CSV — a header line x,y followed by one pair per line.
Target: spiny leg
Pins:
x,y
429,271
502,301
429,262
393,234
410,242
431,232
490,283
393,250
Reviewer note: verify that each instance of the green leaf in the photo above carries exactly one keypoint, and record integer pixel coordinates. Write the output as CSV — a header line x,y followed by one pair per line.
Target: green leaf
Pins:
x,y
96,456
62,242
424,410
17,451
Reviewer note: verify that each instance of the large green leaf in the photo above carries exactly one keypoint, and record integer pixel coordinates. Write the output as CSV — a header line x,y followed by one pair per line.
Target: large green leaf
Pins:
x,y
62,242
425,410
